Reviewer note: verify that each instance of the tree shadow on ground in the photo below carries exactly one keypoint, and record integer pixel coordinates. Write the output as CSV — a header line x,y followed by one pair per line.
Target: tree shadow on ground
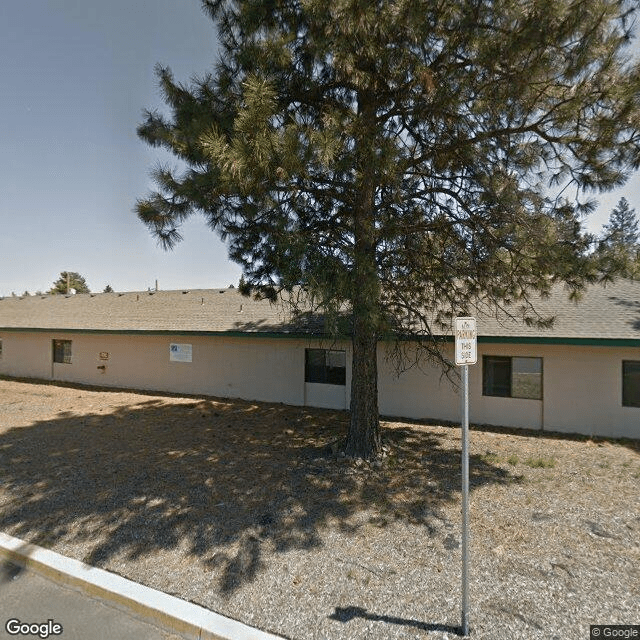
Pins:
x,y
222,478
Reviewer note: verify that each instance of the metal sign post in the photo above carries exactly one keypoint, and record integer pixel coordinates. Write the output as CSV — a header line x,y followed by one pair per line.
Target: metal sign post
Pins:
x,y
466,339
465,500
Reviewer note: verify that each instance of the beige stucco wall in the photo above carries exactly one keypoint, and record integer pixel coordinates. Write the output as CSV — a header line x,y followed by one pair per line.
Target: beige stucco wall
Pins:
x,y
582,386
26,355
251,368
424,393
582,392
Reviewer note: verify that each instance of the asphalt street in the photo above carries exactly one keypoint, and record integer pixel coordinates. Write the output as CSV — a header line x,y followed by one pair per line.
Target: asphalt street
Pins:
x,y
27,598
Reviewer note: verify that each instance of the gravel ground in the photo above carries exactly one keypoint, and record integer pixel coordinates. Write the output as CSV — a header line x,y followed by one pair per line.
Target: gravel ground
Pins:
x,y
245,509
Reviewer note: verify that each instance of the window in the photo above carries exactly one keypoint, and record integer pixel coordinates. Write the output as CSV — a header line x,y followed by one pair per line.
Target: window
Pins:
x,y
62,351
325,367
630,384
512,377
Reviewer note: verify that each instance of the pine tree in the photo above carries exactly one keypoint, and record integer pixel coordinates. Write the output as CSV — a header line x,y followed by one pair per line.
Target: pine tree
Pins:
x,y
619,248
108,289
400,156
70,280
622,229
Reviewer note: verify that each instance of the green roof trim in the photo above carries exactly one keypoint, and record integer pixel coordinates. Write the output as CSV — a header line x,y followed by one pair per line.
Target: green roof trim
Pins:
x,y
587,342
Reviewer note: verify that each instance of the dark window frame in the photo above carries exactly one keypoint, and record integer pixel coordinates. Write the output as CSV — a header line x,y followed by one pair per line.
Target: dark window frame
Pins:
x,y
500,384
61,351
321,371
634,401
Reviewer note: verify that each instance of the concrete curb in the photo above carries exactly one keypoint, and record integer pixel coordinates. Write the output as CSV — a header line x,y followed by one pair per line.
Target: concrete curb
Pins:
x,y
169,612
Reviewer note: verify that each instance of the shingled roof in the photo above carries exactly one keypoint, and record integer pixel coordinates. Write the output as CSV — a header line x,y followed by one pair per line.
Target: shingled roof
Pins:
x,y
610,313
604,312
196,310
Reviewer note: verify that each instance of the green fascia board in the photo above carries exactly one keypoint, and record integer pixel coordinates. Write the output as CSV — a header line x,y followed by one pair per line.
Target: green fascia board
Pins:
x,y
585,342
589,342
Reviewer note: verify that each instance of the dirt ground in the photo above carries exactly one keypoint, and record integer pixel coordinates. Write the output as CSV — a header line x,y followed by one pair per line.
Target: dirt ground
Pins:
x,y
246,508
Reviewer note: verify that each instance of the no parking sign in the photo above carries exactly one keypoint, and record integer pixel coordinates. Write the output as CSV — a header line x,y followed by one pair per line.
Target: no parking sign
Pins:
x,y
466,337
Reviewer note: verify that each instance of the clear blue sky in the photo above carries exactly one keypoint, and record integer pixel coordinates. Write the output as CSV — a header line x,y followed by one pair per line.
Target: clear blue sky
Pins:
x,y
75,76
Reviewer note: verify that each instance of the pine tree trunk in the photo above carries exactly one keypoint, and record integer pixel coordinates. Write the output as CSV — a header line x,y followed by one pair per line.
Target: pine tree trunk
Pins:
x,y
363,437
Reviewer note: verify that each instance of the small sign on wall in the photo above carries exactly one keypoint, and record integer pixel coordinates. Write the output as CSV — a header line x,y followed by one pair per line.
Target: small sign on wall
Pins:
x,y
180,352
104,355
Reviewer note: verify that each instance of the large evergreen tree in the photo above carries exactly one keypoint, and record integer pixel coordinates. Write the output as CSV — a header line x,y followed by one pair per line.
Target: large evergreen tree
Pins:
x,y
70,280
399,156
619,248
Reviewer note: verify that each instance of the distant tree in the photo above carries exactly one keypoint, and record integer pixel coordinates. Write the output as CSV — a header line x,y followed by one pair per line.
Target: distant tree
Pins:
x,y
622,229
401,156
70,280
108,289
26,293
619,246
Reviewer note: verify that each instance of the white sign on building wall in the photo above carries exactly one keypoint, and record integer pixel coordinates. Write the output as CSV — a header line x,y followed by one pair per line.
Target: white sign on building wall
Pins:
x,y
180,352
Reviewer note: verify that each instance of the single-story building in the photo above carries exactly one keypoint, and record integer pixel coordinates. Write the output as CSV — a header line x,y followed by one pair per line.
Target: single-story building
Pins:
x,y
581,376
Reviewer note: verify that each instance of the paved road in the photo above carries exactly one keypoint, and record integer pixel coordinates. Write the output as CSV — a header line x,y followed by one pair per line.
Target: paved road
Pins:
x,y
31,598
